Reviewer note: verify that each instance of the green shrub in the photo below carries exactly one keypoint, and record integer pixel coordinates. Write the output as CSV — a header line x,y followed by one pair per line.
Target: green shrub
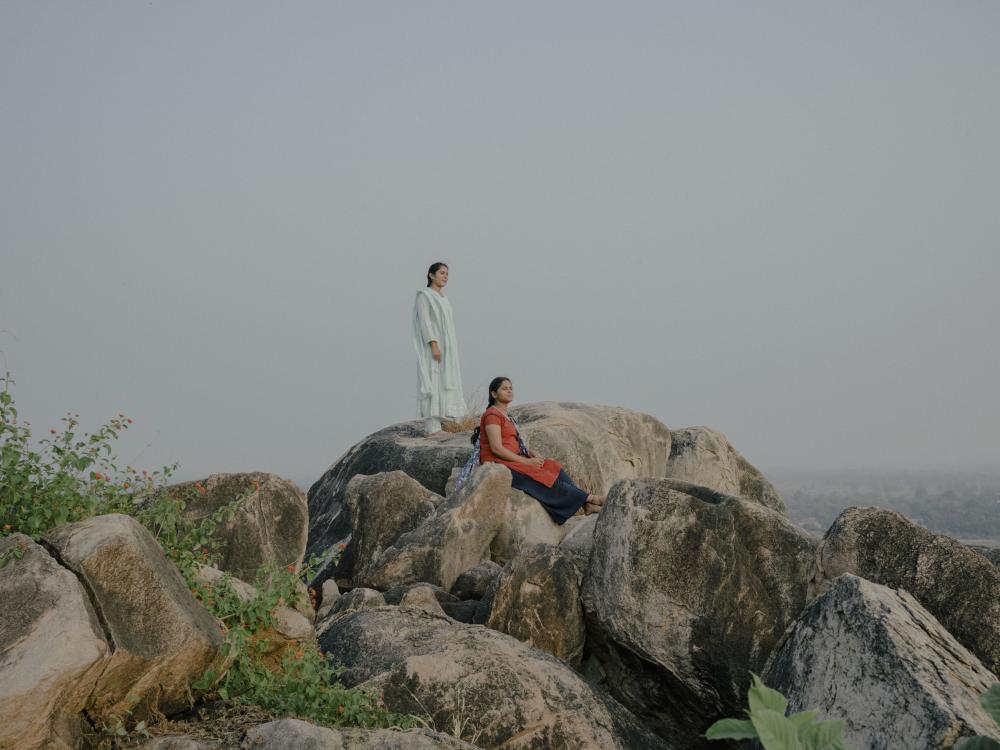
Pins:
x,y
72,475
990,701
768,724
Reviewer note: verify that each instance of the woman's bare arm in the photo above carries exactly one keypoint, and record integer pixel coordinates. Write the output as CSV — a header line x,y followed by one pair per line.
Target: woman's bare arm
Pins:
x,y
493,435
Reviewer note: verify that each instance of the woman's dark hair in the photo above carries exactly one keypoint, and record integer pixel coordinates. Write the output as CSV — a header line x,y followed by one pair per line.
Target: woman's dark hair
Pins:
x,y
494,385
435,267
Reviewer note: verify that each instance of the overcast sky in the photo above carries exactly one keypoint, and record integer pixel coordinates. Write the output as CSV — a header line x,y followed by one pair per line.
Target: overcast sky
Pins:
x,y
777,219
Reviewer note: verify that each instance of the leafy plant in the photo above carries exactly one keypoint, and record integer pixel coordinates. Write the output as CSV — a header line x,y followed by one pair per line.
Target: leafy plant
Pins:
x,y
990,701
72,475
768,724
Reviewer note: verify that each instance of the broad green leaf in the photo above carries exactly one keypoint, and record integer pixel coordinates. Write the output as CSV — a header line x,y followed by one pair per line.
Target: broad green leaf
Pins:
x,y
760,696
990,701
775,731
803,717
977,743
731,729
827,735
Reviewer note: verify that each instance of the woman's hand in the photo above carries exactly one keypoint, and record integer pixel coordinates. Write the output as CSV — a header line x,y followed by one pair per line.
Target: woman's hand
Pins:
x,y
536,461
435,351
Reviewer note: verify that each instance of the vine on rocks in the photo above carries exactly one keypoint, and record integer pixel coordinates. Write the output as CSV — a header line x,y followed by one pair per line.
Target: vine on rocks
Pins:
x,y
72,475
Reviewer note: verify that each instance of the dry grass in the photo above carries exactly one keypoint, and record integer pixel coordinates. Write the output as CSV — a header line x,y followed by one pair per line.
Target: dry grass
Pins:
x,y
470,420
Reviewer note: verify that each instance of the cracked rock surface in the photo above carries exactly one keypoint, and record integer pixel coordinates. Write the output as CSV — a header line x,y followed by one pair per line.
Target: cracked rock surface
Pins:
x,y
877,659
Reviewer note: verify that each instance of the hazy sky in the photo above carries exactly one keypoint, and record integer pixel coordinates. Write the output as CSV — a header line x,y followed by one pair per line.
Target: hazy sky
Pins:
x,y
777,219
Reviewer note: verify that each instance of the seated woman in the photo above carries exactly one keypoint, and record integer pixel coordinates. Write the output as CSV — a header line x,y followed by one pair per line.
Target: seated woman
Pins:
x,y
542,478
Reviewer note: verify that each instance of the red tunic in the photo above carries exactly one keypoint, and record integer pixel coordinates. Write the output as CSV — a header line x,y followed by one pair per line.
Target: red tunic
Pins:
x,y
545,474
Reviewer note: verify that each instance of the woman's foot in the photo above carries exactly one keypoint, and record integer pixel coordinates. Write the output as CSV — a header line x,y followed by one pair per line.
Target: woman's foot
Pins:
x,y
593,504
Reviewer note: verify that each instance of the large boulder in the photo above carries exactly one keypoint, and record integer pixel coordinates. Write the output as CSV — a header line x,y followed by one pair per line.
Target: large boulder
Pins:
x,y
879,661
162,638
960,587
403,447
524,524
687,591
52,649
472,584
483,685
295,734
382,508
597,445
537,601
450,542
267,529
579,538
704,456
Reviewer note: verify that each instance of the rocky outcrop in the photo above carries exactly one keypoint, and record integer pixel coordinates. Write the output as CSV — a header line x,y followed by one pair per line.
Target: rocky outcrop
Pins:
x,y
705,457
990,553
597,445
295,734
269,525
537,601
958,586
453,540
687,591
472,584
162,637
579,538
52,649
352,601
382,508
403,447
421,599
483,685
877,659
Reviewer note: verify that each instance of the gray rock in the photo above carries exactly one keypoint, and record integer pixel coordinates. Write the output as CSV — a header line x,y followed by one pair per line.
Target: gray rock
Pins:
x,y
579,538
686,592
329,594
352,601
485,605
597,445
990,553
705,457
463,611
269,527
52,650
295,734
472,584
179,742
421,599
163,639
878,660
396,593
382,508
403,447
487,687
457,537
958,586
523,524
537,601
292,734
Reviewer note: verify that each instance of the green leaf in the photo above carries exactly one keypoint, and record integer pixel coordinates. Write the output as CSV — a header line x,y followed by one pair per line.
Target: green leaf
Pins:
x,y
977,743
731,729
803,717
990,701
760,696
827,735
774,729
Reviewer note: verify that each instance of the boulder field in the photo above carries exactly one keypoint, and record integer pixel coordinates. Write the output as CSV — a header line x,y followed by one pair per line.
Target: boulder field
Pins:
x,y
498,629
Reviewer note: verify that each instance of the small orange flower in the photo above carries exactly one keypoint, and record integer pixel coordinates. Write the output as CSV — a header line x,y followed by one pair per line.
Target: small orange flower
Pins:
x,y
6,527
125,485
200,487
129,421
342,547
53,432
340,709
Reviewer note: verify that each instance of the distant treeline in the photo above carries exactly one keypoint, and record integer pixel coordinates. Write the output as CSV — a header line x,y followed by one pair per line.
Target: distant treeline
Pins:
x,y
968,508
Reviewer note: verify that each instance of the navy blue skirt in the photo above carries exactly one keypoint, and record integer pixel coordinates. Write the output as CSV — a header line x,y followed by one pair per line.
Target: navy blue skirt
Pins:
x,y
561,500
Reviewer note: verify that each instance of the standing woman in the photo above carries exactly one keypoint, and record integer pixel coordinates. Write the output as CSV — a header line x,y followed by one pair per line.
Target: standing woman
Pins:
x,y
439,381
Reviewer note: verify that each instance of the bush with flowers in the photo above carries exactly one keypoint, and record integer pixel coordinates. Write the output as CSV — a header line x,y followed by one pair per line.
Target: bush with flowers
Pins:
x,y
70,475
